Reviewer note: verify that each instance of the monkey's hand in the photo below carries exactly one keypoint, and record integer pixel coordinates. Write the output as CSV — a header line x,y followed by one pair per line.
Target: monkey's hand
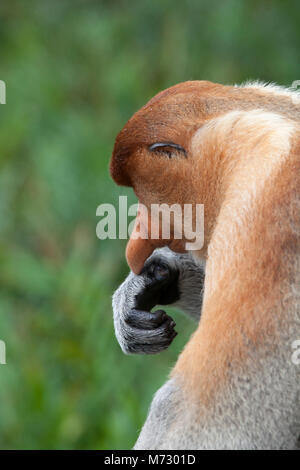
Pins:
x,y
167,278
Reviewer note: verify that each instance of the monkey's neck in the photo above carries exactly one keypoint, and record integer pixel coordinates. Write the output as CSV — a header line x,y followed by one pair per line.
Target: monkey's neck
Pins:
x,y
238,152
250,311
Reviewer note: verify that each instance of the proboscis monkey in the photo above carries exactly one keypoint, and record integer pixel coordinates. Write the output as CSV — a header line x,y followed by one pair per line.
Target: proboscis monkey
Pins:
x,y
237,151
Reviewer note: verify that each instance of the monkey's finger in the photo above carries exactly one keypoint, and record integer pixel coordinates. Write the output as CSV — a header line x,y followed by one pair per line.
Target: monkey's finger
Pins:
x,y
156,277
164,331
146,320
156,270
150,347
163,334
156,346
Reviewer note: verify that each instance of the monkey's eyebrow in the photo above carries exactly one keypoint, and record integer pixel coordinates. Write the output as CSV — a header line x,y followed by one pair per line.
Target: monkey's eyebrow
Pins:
x,y
157,145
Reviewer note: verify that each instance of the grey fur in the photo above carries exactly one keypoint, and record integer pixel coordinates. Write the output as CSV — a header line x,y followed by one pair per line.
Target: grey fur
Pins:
x,y
259,406
259,409
140,331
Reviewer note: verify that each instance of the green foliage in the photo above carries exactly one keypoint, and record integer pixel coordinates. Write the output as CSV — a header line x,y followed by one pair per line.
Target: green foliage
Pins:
x,y
75,72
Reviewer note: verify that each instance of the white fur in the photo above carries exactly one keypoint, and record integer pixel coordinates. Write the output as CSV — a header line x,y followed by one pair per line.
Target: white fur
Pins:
x,y
256,143
289,92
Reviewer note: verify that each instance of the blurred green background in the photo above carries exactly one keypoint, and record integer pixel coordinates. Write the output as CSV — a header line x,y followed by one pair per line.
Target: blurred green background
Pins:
x,y
75,71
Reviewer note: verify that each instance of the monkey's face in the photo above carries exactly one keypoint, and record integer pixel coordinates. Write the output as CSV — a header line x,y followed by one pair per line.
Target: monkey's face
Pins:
x,y
161,180
153,154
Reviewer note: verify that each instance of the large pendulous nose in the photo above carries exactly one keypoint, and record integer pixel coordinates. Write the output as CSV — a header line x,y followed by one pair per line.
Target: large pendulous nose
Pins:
x,y
139,247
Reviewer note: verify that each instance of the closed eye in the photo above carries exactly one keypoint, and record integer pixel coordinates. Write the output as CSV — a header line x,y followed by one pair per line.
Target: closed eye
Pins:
x,y
168,148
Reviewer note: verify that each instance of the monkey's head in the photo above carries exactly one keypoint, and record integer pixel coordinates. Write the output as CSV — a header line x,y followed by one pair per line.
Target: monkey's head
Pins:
x,y
154,155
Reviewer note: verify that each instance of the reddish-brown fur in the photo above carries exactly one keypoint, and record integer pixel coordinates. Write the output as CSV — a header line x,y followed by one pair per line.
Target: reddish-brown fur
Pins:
x,y
242,296
245,305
